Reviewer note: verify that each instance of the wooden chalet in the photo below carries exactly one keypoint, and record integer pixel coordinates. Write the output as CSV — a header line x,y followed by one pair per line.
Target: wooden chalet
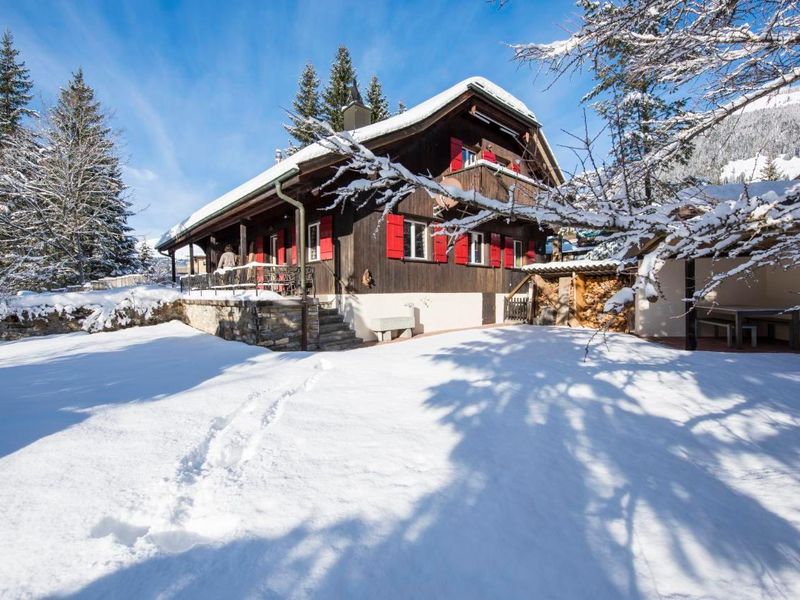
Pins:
x,y
474,134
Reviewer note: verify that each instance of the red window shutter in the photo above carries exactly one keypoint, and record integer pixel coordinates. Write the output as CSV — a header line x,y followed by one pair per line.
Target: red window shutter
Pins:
x,y
439,246
531,254
293,246
394,236
494,249
456,160
260,258
462,249
281,243
489,155
326,238
508,259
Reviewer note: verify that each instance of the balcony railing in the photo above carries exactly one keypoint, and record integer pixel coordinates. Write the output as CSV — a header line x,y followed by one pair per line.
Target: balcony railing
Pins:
x,y
494,181
283,279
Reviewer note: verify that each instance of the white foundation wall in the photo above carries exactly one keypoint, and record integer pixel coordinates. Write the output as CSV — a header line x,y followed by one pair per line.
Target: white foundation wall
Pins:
x,y
767,287
432,312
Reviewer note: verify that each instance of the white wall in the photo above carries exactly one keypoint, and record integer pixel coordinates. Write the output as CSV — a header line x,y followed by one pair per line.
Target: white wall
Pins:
x,y
767,287
433,312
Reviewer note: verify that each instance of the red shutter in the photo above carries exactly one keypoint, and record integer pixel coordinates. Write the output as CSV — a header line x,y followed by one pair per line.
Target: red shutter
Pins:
x,y
260,258
509,253
531,255
494,249
394,236
489,155
515,166
326,238
281,243
293,245
456,160
462,249
439,246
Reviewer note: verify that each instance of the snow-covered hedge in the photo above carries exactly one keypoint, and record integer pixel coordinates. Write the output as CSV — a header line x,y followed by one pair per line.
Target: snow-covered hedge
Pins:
x,y
95,310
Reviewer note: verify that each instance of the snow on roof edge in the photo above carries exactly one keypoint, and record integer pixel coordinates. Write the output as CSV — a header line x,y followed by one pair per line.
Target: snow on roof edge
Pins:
x,y
572,265
398,122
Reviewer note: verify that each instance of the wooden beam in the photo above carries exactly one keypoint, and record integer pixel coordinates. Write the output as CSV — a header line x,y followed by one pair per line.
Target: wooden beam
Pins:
x,y
690,319
191,258
242,243
174,268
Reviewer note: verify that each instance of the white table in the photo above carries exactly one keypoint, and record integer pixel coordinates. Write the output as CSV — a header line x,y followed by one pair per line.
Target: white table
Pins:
x,y
740,313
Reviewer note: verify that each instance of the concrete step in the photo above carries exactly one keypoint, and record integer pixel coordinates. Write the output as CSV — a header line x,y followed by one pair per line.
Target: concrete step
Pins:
x,y
328,327
337,336
338,346
326,319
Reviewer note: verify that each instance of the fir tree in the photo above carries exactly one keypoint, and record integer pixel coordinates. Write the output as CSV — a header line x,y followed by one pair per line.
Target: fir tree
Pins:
x,y
15,87
147,259
82,176
306,105
377,101
338,89
401,107
770,172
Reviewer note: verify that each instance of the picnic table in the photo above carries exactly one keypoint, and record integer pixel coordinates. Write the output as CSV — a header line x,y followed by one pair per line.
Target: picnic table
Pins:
x,y
741,313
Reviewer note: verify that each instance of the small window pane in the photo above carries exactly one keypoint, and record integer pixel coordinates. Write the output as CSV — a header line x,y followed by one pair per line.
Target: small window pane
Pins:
x,y
313,241
407,239
419,240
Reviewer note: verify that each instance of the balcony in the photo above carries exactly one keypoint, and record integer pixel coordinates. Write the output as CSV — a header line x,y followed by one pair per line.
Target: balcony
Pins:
x,y
494,181
282,279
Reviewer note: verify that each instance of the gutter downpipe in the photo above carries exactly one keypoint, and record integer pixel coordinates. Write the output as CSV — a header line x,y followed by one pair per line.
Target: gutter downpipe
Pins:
x,y
301,255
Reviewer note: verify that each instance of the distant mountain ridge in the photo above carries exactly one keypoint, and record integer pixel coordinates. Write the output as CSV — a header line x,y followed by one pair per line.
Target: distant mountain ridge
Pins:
x,y
738,149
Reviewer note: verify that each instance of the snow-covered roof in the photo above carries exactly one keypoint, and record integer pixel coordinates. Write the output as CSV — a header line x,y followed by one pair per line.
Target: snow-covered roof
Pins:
x,y
291,165
568,266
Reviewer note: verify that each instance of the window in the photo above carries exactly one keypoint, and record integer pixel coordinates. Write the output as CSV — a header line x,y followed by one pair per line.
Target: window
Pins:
x,y
467,156
518,254
476,248
273,248
415,242
313,241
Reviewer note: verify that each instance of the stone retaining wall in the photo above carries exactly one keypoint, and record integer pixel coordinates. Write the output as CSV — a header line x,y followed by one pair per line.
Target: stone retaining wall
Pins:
x,y
14,327
274,324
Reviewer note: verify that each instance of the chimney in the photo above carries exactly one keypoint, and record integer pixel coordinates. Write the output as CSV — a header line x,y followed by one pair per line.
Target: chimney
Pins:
x,y
355,114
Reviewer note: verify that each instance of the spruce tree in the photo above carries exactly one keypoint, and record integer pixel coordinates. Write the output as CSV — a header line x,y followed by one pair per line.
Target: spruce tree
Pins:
x,y
147,259
401,107
15,87
770,171
306,105
81,174
377,101
337,91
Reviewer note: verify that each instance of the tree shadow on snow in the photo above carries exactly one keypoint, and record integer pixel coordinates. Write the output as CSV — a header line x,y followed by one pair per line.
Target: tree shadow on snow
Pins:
x,y
44,396
558,466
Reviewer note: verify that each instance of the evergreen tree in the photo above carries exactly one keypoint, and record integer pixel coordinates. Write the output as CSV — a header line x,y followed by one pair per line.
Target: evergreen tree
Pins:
x,y
770,171
306,105
15,87
401,107
147,259
336,93
82,177
377,101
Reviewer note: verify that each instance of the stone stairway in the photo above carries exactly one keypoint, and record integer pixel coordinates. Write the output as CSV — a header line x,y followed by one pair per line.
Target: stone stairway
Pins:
x,y
334,333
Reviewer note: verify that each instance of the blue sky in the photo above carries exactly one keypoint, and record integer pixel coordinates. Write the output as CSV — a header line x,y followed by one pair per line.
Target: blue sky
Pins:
x,y
199,89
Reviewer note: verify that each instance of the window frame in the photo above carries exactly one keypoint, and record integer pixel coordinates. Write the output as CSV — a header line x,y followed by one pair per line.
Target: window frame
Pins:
x,y
315,248
473,235
518,258
414,224
466,153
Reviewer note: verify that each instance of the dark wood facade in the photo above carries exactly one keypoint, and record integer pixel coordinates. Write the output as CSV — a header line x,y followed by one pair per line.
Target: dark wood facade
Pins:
x,y
359,235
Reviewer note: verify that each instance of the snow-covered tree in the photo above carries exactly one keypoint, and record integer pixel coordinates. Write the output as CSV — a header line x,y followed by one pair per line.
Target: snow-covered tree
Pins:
x,y
15,88
770,171
724,55
337,91
65,213
305,105
401,107
377,101
147,258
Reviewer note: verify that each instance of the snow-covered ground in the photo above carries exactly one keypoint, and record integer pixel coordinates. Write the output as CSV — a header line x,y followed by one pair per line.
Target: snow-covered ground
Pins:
x,y
495,463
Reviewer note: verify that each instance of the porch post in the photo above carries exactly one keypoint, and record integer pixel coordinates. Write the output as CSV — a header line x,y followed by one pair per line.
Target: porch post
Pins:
x,y
242,243
174,269
690,319
191,258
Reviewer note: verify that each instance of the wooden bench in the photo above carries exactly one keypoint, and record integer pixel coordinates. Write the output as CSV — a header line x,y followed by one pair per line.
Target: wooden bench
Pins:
x,y
384,326
729,327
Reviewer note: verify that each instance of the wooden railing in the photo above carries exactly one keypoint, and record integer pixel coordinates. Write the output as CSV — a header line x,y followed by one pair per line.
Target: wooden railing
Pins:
x,y
517,309
494,183
283,279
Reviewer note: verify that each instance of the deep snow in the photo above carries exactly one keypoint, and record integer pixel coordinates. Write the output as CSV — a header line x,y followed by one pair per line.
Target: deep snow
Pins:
x,y
495,463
